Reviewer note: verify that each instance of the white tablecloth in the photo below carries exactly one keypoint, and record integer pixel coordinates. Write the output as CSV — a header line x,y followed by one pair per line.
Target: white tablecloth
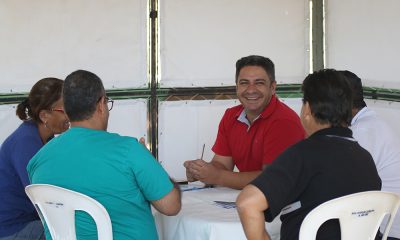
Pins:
x,y
202,219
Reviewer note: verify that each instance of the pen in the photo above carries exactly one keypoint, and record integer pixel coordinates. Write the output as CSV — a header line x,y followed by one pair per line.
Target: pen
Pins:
x,y
194,189
189,188
202,152
207,185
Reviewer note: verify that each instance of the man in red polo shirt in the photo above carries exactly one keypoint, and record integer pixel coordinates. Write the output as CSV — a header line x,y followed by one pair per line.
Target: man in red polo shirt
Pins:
x,y
250,135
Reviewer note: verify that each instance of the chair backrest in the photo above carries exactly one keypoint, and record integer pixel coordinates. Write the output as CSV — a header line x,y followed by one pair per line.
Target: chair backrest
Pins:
x,y
359,214
56,207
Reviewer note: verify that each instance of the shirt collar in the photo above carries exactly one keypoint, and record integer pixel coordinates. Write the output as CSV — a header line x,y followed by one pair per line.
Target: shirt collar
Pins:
x,y
242,118
268,110
334,131
358,115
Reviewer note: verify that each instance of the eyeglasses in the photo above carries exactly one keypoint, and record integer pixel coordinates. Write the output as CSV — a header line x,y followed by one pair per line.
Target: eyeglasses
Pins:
x,y
57,110
110,103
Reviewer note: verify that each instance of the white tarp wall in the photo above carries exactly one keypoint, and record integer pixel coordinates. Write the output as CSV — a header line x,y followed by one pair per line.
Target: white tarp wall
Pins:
x,y
363,36
52,38
9,121
184,126
128,118
200,41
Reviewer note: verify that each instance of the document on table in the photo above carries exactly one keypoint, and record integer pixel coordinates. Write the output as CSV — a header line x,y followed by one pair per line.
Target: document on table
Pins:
x,y
185,188
193,186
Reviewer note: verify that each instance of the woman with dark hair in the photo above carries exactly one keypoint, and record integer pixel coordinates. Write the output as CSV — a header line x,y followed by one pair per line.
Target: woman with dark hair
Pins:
x,y
43,116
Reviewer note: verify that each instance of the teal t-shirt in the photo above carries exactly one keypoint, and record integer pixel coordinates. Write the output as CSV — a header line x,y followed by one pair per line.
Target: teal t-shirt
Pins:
x,y
117,171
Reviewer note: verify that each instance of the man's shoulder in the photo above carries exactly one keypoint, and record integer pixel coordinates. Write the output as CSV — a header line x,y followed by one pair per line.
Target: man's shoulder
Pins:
x,y
370,117
130,145
283,115
235,110
92,140
232,113
120,143
277,110
100,135
121,138
301,146
369,120
370,127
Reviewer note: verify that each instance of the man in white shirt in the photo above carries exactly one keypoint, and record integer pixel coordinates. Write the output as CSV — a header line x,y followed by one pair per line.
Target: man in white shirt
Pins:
x,y
380,140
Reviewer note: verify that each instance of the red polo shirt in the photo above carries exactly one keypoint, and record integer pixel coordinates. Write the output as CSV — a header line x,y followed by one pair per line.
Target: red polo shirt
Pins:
x,y
250,147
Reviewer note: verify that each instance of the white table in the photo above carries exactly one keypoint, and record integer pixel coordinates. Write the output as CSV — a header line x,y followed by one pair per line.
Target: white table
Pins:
x,y
202,219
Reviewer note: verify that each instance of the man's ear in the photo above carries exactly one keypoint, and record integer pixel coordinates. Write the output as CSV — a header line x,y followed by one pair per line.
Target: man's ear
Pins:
x,y
273,87
101,107
307,110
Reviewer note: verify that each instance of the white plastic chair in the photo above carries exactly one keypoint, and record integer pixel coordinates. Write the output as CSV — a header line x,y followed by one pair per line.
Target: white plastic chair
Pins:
x,y
359,214
56,207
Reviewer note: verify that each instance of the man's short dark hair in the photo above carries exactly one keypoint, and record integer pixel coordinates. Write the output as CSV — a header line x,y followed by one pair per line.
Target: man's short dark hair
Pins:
x,y
330,97
255,60
356,87
82,91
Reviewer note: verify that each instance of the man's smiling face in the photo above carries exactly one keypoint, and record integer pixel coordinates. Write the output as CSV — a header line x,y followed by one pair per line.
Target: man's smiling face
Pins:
x,y
254,89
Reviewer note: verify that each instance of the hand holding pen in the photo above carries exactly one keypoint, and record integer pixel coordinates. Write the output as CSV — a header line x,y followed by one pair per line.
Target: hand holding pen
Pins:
x,y
190,164
203,171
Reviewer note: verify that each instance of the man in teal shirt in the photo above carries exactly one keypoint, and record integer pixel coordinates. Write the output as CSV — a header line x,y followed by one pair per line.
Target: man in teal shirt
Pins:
x,y
117,171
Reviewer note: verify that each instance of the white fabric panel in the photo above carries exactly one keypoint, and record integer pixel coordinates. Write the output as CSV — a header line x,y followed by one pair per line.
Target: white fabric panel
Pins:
x,y
184,126
129,118
9,121
293,103
200,41
363,37
52,38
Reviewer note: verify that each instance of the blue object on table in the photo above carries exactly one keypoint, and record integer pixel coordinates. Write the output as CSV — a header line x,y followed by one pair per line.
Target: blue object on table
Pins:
x,y
226,205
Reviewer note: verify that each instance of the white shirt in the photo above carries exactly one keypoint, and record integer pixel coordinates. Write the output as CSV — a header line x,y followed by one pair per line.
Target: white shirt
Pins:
x,y
373,134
